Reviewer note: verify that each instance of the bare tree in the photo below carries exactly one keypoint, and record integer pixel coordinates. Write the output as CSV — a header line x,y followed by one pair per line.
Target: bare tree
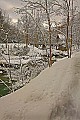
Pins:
x,y
46,9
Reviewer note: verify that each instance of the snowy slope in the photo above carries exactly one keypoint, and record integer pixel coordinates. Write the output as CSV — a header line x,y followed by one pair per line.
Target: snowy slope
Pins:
x,y
53,95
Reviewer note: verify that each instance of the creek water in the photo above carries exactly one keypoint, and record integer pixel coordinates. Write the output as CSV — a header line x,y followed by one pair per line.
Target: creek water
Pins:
x,y
3,89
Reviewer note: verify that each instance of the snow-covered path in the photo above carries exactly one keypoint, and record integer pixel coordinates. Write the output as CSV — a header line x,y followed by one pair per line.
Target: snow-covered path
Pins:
x,y
53,95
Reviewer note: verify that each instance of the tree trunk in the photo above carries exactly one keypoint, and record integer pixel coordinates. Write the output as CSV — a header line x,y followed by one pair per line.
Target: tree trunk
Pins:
x,y
71,30
49,23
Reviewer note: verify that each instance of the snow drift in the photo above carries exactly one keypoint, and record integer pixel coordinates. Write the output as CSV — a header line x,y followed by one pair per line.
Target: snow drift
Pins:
x,y
52,95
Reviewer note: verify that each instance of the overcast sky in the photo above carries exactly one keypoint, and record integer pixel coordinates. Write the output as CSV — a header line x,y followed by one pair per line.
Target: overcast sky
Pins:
x,y
8,6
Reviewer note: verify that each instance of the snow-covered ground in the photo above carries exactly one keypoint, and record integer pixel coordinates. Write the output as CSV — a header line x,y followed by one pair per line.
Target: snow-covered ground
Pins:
x,y
26,66
52,95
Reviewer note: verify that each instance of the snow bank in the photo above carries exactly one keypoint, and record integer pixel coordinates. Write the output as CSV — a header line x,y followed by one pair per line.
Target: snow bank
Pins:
x,y
53,95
